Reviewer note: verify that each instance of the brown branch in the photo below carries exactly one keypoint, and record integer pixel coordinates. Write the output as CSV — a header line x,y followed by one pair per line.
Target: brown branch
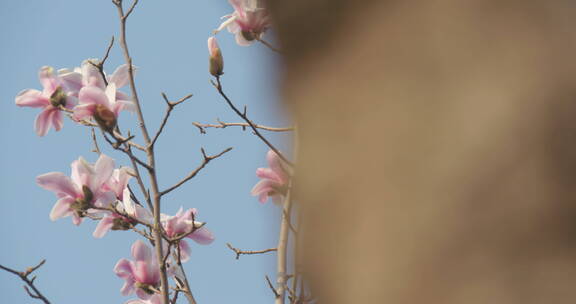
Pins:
x,y
270,46
223,125
156,197
281,277
185,284
218,86
276,295
170,105
206,160
240,252
100,64
96,148
35,293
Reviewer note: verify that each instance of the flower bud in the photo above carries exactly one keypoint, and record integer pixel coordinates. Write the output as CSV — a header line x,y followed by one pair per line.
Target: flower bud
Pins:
x,y
105,118
216,60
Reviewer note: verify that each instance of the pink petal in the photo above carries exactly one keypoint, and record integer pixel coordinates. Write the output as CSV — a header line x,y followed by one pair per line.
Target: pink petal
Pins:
x,y
57,121
120,76
103,227
71,81
142,294
44,120
84,110
48,79
275,163
61,208
57,182
103,170
141,252
202,236
93,95
263,186
267,173
123,269
184,251
76,220
31,98
91,75
127,288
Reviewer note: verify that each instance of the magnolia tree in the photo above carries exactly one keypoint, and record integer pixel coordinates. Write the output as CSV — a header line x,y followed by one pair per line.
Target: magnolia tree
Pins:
x,y
117,195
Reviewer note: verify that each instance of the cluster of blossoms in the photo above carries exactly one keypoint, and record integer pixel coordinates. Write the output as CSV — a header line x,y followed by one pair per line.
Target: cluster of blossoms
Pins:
x,y
85,92
100,191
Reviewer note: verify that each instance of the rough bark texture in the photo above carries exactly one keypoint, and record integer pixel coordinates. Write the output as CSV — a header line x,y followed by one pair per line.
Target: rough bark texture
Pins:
x,y
437,159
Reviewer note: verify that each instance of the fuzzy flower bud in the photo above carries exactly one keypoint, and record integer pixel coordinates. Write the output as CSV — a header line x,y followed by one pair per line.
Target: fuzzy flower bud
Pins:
x,y
216,60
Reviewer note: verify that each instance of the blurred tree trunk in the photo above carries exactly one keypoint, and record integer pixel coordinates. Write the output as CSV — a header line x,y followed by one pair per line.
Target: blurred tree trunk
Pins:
x,y
437,159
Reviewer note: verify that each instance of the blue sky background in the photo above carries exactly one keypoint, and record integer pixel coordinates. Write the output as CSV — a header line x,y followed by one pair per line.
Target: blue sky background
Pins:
x,y
168,44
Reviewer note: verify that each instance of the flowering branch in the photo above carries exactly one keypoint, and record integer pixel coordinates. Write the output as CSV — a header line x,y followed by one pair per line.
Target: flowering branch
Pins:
x,y
218,86
206,160
170,105
240,252
223,125
149,148
35,293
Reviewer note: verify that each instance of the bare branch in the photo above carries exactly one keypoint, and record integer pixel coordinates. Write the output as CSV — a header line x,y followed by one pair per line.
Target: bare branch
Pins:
x,y
96,148
192,174
223,125
276,295
218,86
281,277
268,45
34,293
169,107
240,252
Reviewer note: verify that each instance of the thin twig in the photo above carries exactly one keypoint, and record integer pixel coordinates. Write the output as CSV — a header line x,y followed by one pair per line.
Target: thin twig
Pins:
x,y
96,148
169,107
276,295
35,293
240,252
218,86
187,291
270,46
206,160
222,125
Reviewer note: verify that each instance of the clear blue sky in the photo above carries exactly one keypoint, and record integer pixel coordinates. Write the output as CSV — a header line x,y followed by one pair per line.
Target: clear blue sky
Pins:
x,y
168,43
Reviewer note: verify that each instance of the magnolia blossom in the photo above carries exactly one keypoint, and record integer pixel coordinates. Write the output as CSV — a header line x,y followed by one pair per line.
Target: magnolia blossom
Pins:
x,y
102,105
117,221
142,274
89,75
274,180
52,96
182,225
248,21
76,195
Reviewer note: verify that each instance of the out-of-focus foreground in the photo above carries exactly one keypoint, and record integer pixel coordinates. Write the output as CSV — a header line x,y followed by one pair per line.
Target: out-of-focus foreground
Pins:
x,y
437,160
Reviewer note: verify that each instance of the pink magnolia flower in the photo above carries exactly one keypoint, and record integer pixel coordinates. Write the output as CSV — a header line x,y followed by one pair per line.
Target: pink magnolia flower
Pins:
x,y
76,195
248,21
141,275
49,99
102,105
274,180
89,75
116,221
182,224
